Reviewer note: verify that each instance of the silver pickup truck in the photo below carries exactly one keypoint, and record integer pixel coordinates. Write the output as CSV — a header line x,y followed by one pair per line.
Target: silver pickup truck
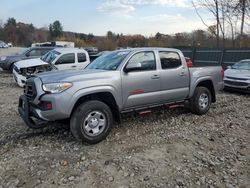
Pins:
x,y
115,83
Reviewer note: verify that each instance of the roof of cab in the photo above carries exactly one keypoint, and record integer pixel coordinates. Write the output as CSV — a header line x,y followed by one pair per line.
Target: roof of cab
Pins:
x,y
150,48
69,50
42,47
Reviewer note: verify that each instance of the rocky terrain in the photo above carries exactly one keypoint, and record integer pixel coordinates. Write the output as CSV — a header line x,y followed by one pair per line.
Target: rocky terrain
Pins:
x,y
169,148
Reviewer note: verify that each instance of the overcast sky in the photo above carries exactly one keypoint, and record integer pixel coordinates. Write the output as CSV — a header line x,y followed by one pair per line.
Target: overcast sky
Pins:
x,y
99,16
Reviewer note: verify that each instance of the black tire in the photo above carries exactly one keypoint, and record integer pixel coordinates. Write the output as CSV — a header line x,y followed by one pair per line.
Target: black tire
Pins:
x,y
85,116
198,107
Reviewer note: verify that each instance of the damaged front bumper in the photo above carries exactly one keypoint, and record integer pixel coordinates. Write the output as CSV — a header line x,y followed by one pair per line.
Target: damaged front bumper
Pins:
x,y
29,114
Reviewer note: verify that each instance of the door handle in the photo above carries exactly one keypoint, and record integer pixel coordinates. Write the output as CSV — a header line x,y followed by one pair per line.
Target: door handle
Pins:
x,y
155,77
73,66
182,74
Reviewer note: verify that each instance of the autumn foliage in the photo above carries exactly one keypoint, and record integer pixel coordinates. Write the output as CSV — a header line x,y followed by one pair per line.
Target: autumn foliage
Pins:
x,y
23,34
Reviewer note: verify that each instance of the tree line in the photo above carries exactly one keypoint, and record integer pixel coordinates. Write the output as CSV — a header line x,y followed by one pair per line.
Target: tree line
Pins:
x,y
230,18
22,34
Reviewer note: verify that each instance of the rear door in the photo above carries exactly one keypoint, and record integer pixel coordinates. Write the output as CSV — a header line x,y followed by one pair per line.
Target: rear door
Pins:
x,y
66,61
174,77
82,60
141,87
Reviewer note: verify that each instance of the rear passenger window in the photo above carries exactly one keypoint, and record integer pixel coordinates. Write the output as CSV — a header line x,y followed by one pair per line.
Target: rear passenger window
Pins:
x,y
81,57
66,59
170,60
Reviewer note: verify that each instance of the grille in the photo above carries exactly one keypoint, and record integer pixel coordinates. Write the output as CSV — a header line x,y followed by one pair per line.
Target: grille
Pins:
x,y
28,90
236,83
233,78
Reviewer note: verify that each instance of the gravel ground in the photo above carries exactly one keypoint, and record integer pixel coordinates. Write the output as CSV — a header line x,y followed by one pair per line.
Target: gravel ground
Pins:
x,y
165,149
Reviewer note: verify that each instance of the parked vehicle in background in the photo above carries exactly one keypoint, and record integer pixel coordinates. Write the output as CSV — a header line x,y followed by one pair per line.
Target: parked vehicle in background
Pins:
x,y
238,76
60,58
65,44
10,44
119,48
132,80
92,50
7,62
3,44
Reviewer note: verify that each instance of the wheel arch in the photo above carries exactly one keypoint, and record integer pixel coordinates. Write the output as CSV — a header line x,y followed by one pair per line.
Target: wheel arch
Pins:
x,y
103,96
11,65
207,83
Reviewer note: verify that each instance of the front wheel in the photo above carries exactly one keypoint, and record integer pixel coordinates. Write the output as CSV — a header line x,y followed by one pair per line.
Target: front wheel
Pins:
x,y
91,122
201,101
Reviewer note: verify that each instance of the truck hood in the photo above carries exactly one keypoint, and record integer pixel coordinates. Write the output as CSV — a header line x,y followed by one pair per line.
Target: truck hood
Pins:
x,y
72,75
30,63
236,73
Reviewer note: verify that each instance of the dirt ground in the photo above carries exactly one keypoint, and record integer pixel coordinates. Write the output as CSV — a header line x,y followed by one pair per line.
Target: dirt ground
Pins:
x,y
169,148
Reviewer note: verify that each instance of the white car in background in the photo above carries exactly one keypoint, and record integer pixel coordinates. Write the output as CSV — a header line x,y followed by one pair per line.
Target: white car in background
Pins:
x,y
3,44
57,59
238,76
10,44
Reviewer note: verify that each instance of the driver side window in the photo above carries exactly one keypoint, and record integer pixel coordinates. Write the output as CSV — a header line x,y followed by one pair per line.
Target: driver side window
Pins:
x,y
145,60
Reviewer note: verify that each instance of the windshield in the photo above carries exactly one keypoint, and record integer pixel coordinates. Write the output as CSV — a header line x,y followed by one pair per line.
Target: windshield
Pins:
x,y
50,56
108,61
242,65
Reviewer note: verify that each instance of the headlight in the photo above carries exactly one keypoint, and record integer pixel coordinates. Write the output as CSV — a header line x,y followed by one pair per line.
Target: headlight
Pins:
x,y
56,87
17,70
3,58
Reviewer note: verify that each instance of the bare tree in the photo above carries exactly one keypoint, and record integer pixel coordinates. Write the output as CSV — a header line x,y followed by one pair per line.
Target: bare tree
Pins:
x,y
232,18
230,14
1,23
213,7
243,10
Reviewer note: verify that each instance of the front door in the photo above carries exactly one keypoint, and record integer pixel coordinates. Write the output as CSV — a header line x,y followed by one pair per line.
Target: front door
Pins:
x,y
141,86
66,61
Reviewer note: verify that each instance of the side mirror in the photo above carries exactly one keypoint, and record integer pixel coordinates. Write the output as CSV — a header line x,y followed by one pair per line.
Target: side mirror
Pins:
x,y
229,67
27,55
133,67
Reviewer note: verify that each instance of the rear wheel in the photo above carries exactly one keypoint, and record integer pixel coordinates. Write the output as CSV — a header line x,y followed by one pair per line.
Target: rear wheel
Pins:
x,y
201,101
91,122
